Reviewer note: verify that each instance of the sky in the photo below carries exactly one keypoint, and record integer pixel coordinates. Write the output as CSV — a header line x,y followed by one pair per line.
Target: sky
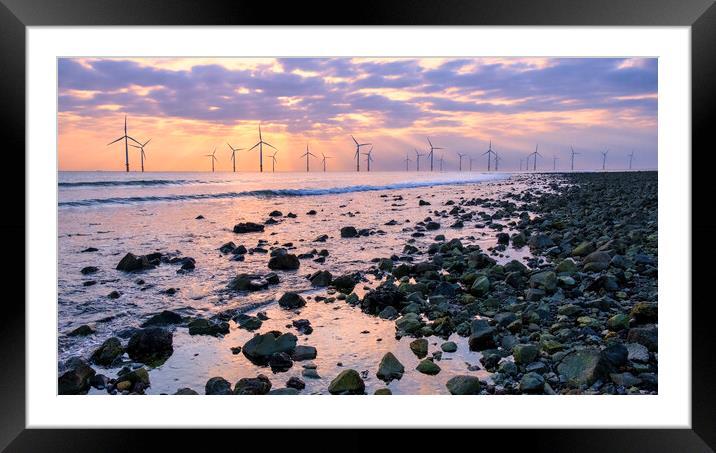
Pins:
x,y
189,107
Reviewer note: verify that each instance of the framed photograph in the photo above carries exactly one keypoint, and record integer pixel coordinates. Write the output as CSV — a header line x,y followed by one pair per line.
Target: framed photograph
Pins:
x,y
449,215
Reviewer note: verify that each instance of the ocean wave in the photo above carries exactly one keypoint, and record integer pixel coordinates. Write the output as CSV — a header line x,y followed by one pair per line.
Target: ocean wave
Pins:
x,y
267,193
131,183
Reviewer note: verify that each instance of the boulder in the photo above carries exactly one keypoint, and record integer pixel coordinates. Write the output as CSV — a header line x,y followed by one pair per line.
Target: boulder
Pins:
x,y
583,367
646,335
344,283
108,352
260,385
532,383
202,326
566,267
284,262
321,278
185,391
618,322
583,249
304,352
480,286
409,323
540,241
165,318
481,335
81,331
390,368
75,380
260,348
349,232
280,361
217,386
150,345
525,353
546,280
596,261
383,296
449,346
419,347
463,385
645,313
428,367
348,382
291,300
247,322
248,227
131,262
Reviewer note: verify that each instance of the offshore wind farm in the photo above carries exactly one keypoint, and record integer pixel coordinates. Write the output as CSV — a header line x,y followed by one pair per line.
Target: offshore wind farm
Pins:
x,y
357,226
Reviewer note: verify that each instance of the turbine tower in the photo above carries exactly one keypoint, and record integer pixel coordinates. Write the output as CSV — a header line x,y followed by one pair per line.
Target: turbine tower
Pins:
x,y
407,162
357,154
489,153
497,161
142,155
126,144
369,156
213,158
631,158
261,144
573,154
470,162
273,161
324,160
441,162
554,162
521,160
535,154
431,154
417,158
307,155
233,154
604,159
460,156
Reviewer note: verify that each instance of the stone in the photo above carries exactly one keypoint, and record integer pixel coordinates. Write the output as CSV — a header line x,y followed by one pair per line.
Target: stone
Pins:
x,y
546,280
645,313
344,283
540,241
348,382
349,232
480,286
131,262
390,368
583,367
75,381
383,296
260,348
150,345
227,247
525,353
383,391
247,322
284,391
185,391
463,385
165,318
321,278
428,367
567,267
89,270
616,355
291,300
285,262
449,346
419,347
596,261
260,385
280,361
637,352
618,322
481,335
625,379
583,249
202,326
532,383
295,383
81,331
388,313
646,335
409,323
248,227
108,352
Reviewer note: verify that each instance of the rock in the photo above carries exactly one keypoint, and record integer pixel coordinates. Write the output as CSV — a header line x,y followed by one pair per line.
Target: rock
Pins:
x,y
480,286
583,367
618,322
165,318
285,262
280,361
303,326
449,346
252,282
248,227
388,313
304,352
645,313
463,385
385,265
624,379
383,391
525,353
260,348
321,278
409,323
390,368
90,249
310,373
138,379
291,300
348,382
637,352
108,352
247,322
383,296
185,391
616,355
260,385
201,326
349,232
419,347
89,270
583,249
596,261
646,335
481,335
503,238
546,280
423,203
428,367
276,214
150,345
75,381
566,266
81,331
344,283
284,391
131,262
540,241
532,383
114,295
295,383
431,226
311,212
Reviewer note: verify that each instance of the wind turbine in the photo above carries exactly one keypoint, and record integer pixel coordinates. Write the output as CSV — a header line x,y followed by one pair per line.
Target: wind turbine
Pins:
x,y
470,162
497,161
431,153
521,160
357,155
407,162
261,144
489,153
233,154
604,159
142,155
417,157
631,158
535,154
460,156
126,144
554,162
273,161
307,155
369,156
324,160
213,158
573,154
441,161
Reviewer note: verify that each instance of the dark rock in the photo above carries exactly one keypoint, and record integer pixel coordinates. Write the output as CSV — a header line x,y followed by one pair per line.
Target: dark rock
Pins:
x,y
383,296
645,313
217,386
131,262
540,242
390,368
344,283
185,391
108,352
90,249
260,385
89,270
646,335
616,355
81,331
525,353
419,347
321,278
291,300
276,214
349,232
303,352
583,367
248,227
280,361
287,262
202,326
348,382
532,383
303,326
449,346
481,335
247,322
165,318
295,383
260,348
463,385
150,345
75,381
428,367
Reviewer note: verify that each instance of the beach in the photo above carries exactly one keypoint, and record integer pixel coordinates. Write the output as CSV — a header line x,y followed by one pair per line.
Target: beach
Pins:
x,y
407,283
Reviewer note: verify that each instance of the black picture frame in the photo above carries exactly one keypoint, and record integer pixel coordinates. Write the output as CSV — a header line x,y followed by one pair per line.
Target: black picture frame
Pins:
x,y
700,15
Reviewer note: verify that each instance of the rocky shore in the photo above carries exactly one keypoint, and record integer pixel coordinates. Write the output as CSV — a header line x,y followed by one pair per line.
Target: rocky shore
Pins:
x,y
564,302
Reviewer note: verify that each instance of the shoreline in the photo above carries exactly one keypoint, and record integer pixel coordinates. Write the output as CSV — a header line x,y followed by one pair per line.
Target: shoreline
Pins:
x,y
579,316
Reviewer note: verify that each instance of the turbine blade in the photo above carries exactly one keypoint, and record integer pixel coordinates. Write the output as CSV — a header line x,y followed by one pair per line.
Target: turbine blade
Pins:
x,y
145,143
354,139
268,144
120,138
254,146
133,140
